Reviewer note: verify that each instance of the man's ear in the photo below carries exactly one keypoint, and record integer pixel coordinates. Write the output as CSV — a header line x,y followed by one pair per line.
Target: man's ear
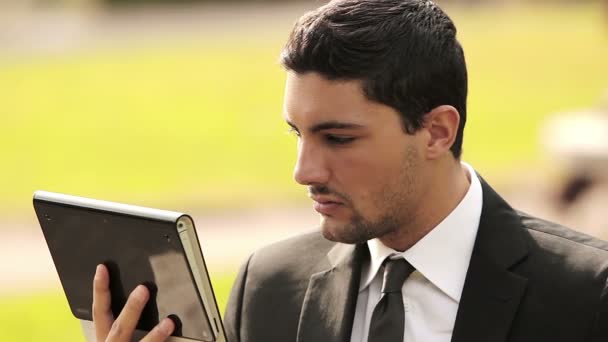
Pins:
x,y
441,125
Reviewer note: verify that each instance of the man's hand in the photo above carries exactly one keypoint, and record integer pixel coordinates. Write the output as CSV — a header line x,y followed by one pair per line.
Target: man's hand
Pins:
x,y
119,330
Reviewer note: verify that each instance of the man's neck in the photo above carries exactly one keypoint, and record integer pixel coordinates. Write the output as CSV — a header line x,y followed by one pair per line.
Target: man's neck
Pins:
x,y
446,192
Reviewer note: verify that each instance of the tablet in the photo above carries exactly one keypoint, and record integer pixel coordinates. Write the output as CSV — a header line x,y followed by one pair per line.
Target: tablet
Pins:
x,y
138,245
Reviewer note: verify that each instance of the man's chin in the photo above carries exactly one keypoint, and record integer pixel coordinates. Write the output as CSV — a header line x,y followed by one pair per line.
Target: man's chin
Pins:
x,y
342,232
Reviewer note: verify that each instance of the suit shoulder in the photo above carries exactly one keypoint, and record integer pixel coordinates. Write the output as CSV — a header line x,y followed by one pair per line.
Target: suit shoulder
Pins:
x,y
299,254
561,236
295,246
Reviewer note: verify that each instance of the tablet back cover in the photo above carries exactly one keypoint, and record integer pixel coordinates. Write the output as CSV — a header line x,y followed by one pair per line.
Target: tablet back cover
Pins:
x,y
136,251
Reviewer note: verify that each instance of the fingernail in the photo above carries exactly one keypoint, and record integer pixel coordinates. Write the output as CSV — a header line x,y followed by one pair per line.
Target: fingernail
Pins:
x,y
97,269
166,326
140,292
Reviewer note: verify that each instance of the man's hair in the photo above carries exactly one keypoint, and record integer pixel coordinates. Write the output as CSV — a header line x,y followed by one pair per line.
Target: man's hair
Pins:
x,y
405,53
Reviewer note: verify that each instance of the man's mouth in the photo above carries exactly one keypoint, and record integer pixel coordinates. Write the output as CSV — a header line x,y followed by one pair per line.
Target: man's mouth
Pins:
x,y
326,205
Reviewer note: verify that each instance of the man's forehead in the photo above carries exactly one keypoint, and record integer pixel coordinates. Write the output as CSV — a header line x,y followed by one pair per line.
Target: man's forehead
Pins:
x,y
311,99
317,120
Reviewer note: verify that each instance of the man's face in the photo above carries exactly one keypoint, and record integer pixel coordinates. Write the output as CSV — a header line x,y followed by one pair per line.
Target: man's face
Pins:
x,y
363,172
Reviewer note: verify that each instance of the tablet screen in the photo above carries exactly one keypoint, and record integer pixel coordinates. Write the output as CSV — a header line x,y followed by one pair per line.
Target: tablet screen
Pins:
x,y
136,251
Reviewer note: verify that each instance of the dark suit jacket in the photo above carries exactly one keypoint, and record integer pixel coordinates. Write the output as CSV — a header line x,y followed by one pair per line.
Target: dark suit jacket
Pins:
x,y
528,280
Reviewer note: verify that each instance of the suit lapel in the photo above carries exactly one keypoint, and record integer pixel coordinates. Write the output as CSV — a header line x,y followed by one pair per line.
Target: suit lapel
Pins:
x,y
492,293
488,304
330,301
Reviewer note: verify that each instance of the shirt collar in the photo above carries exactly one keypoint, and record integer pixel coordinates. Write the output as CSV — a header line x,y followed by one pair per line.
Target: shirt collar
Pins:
x,y
442,256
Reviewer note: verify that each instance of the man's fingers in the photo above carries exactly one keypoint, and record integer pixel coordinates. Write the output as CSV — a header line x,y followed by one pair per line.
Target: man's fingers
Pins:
x,y
161,332
123,327
102,303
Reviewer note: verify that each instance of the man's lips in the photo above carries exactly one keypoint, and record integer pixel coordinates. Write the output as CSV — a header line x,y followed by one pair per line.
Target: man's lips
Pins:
x,y
326,205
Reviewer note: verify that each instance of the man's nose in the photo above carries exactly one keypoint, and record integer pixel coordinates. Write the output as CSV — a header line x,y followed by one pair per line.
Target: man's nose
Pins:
x,y
310,166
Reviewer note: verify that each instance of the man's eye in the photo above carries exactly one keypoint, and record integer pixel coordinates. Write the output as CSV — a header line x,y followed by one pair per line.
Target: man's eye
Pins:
x,y
293,131
338,140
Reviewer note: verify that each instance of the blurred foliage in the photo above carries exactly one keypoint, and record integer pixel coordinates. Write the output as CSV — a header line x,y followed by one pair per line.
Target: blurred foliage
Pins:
x,y
47,317
173,2
199,124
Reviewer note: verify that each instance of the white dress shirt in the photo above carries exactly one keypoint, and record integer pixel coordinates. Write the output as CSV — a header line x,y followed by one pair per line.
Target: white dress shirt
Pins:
x,y
431,294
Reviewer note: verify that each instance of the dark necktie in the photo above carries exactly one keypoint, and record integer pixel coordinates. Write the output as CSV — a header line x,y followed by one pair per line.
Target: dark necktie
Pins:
x,y
387,322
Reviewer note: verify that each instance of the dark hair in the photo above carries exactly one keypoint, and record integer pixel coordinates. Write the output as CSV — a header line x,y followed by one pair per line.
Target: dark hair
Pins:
x,y
404,51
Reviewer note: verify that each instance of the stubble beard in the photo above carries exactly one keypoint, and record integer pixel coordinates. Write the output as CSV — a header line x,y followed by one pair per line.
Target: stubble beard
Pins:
x,y
394,201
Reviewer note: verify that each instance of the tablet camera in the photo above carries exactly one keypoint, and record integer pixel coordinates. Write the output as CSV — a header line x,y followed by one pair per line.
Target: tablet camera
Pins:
x,y
47,217
167,237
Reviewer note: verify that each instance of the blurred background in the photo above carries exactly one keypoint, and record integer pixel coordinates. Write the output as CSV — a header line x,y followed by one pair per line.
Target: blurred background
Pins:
x,y
177,105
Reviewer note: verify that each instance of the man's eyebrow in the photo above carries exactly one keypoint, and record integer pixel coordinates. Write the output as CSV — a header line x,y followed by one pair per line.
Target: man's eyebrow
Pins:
x,y
328,125
291,125
333,125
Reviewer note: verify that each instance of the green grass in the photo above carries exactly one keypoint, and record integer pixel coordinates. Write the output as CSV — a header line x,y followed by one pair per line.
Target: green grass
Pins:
x,y
39,317
199,125
162,124
46,316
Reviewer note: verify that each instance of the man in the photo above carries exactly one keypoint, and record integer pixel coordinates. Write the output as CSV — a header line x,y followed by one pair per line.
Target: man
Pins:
x,y
414,246
376,94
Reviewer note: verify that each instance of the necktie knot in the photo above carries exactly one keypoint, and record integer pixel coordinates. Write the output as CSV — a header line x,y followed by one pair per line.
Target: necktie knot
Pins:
x,y
395,273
